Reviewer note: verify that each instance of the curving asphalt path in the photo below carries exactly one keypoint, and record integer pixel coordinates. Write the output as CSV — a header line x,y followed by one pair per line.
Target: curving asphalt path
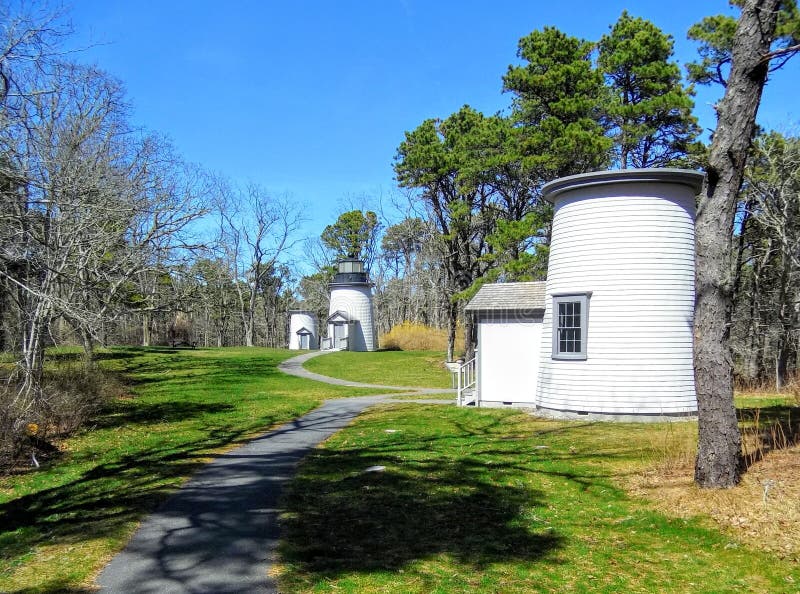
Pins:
x,y
294,366
219,532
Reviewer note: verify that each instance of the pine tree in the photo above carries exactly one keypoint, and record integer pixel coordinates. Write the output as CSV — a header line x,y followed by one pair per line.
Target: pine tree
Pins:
x,y
650,111
558,98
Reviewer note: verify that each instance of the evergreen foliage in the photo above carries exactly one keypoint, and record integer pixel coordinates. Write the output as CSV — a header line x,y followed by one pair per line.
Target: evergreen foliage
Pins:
x,y
558,98
649,112
353,235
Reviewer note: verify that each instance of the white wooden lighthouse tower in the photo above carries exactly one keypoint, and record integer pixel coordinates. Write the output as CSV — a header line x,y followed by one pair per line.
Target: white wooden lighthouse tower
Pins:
x,y
351,322
619,303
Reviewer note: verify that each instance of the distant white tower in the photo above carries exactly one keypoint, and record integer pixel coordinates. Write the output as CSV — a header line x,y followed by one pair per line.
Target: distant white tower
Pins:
x,y
302,330
351,323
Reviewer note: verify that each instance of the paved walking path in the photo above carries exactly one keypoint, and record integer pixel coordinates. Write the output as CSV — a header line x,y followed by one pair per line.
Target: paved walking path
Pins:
x,y
294,366
219,532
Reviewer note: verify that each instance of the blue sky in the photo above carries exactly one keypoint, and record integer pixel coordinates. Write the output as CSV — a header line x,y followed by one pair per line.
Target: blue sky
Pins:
x,y
311,98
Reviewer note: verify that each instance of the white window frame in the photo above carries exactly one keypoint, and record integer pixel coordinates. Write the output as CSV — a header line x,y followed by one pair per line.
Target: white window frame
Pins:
x,y
583,300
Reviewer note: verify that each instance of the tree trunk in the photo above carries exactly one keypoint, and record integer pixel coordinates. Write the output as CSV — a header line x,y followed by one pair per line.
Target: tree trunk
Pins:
x,y
781,364
719,446
250,329
37,319
87,341
469,337
147,336
452,317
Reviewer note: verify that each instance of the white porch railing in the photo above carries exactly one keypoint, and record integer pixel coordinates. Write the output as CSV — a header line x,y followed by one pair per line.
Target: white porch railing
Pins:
x,y
465,383
329,344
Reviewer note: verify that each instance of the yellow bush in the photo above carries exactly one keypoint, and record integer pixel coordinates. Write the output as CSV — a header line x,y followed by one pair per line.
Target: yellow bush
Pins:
x,y
409,336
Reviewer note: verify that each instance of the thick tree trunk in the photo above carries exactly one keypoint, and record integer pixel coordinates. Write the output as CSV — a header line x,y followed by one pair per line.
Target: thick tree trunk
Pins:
x,y
89,356
719,445
781,364
469,337
250,330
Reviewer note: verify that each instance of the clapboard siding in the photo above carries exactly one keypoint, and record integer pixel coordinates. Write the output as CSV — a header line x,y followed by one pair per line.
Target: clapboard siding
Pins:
x,y
630,245
356,301
299,320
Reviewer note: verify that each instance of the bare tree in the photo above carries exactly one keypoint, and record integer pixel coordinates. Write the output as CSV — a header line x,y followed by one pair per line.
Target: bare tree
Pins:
x,y
87,204
256,230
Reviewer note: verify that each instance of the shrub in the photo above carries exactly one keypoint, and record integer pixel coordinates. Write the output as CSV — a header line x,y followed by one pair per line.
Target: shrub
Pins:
x,y
71,394
409,336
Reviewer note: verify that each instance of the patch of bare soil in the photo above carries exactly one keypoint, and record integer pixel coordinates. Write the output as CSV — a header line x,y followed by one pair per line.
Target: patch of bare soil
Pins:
x,y
762,512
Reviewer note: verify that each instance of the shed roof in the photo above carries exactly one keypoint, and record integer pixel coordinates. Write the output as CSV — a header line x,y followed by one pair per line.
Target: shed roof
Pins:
x,y
509,297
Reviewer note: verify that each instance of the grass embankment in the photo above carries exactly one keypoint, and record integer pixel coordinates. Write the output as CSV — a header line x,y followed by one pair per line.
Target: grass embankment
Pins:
x,y
497,501
389,368
58,525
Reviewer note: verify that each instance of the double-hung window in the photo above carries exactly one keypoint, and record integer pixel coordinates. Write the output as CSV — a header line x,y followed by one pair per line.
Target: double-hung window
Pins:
x,y
570,319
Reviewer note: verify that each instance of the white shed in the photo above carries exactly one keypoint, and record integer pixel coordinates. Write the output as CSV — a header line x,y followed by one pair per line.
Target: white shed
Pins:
x,y
302,330
509,321
617,331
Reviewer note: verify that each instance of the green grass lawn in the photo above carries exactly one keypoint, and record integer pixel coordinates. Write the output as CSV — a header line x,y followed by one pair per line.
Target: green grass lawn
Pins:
x,y
763,399
472,500
60,524
493,500
393,368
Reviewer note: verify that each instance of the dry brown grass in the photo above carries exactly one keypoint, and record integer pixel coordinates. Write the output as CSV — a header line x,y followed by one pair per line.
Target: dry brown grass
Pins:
x,y
409,336
762,512
794,389
766,387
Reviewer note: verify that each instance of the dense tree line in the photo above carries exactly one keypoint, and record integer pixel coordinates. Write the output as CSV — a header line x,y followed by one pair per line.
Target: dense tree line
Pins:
x,y
766,288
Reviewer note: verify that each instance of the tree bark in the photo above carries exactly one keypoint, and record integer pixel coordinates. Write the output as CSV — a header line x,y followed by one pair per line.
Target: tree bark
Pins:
x,y
781,364
719,446
89,356
452,320
147,338
469,337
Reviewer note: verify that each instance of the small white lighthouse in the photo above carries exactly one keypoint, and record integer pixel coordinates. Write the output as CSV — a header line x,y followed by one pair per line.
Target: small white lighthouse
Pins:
x,y
351,323
619,303
302,330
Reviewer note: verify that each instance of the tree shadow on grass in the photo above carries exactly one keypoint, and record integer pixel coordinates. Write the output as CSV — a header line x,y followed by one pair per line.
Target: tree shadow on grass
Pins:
x,y
768,428
120,414
104,500
186,370
385,520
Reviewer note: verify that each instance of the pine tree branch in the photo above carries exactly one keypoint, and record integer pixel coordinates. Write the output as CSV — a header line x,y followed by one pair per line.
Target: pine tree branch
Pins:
x,y
784,51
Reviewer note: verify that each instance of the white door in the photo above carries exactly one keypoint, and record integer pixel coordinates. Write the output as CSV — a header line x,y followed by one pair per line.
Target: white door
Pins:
x,y
509,360
338,334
